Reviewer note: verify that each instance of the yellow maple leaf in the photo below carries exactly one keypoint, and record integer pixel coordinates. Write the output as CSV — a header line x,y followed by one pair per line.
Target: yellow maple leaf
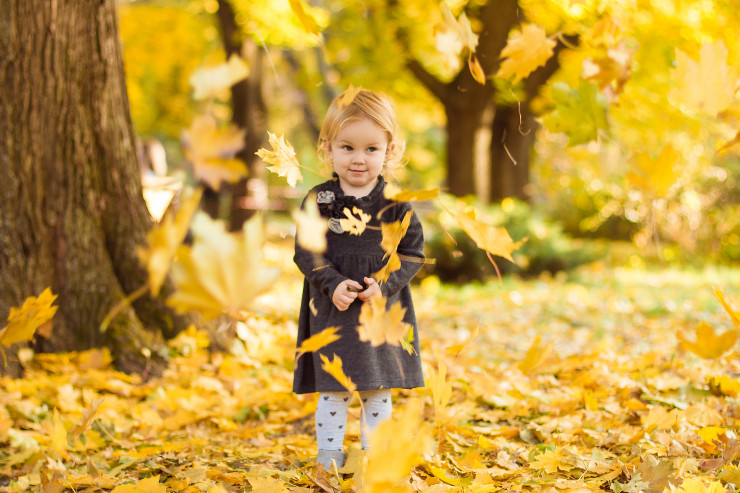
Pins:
x,y
311,228
267,485
23,321
661,418
726,385
307,20
656,176
354,225
283,157
210,81
59,435
456,349
211,151
441,390
148,485
317,341
164,239
536,355
334,368
392,233
222,272
708,344
348,96
729,305
380,326
394,192
494,240
696,485
396,446
708,84
453,36
551,461
525,52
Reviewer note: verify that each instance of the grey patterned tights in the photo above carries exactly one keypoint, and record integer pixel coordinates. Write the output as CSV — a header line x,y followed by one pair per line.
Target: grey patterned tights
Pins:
x,y
331,416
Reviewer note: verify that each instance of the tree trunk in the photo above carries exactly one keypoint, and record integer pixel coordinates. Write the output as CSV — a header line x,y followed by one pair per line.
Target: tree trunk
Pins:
x,y
249,110
73,211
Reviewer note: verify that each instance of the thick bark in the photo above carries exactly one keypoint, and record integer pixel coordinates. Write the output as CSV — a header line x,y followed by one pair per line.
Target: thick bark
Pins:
x,y
73,211
249,110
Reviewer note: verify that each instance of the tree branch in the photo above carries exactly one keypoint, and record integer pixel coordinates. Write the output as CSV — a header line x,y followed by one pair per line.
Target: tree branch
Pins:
x,y
434,85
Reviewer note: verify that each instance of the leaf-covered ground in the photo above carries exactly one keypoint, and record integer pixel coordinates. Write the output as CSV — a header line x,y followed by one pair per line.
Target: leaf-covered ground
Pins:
x,y
556,384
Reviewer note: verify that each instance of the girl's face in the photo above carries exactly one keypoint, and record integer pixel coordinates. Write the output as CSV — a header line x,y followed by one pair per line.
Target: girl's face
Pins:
x,y
357,154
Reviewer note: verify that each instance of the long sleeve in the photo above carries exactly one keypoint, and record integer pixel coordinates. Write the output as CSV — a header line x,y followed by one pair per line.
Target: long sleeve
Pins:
x,y
410,247
317,270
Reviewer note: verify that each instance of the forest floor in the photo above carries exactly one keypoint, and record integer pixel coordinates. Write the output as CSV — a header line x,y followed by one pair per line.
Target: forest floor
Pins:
x,y
568,383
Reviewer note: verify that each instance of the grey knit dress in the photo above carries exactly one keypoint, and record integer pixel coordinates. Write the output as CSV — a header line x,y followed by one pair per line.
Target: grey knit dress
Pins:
x,y
356,257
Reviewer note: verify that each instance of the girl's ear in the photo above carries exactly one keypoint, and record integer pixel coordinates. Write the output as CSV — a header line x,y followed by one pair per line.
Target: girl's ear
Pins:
x,y
389,150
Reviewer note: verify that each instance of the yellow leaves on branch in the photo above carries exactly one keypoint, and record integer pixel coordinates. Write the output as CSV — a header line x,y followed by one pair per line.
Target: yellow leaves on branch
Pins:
x,y
283,157
211,151
708,344
380,326
311,227
317,341
210,81
525,52
334,368
164,239
222,272
707,85
24,321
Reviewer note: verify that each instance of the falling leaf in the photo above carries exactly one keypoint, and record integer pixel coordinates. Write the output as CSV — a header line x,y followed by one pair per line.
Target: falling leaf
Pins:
x,y
379,325
348,96
396,446
23,321
708,344
283,157
458,348
354,225
307,20
209,82
708,84
441,389
334,368
87,418
317,341
611,70
656,176
211,151
222,272
312,307
536,355
494,240
579,113
311,228
453,36
729,305
164,239
525,52
476,70
392,233
394,192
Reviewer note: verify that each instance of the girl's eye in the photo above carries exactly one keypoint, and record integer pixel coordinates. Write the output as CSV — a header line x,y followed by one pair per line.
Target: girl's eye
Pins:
x,y
372,149
347,147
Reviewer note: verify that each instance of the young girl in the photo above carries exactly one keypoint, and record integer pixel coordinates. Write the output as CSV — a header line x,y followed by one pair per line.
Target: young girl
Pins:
x,y
359,139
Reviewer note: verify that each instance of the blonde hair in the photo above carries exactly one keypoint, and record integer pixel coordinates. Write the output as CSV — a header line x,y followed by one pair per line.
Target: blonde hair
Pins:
x,y
376,107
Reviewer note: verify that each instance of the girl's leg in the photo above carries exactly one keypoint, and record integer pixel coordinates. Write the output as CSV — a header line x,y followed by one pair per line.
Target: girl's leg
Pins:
x,y
331,423
376,408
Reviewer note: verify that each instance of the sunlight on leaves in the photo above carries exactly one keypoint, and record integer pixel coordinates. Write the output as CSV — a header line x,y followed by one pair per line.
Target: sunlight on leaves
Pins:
x,y
580,113
380,326
334,368
208,82
222,272
708,84
524,52
211,151
311,228
708,344
318,341
23,321
283,158
164,239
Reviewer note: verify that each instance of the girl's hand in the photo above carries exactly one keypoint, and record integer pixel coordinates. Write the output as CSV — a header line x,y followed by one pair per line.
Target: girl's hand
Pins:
x,y
373,289
345,294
